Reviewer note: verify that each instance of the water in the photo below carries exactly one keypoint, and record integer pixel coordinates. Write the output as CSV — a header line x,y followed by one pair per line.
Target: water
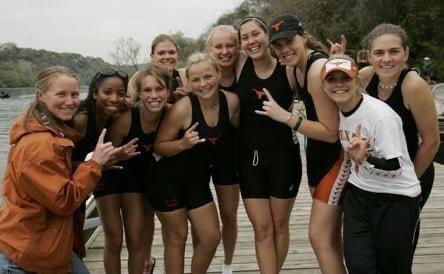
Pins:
x,y
10,108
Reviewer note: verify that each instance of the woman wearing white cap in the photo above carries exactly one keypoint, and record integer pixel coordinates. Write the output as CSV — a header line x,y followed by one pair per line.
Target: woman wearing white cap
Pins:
x,y
381,209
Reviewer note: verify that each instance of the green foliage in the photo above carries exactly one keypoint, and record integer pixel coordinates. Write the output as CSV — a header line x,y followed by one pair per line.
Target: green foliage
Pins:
x,y
324,19
19,66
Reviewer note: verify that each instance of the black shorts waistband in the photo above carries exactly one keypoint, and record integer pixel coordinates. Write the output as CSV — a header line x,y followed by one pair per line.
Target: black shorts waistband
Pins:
x,y
379,196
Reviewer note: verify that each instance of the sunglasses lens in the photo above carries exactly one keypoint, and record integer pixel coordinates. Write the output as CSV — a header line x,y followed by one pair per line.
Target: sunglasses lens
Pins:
x,y
122,74
109,72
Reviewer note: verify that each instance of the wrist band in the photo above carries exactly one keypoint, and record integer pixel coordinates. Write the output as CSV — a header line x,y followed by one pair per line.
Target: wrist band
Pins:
x,y
298,123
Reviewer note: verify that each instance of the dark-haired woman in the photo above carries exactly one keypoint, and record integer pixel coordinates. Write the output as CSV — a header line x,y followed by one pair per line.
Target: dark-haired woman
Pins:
x,y
296,48
270,161
120,201
41,187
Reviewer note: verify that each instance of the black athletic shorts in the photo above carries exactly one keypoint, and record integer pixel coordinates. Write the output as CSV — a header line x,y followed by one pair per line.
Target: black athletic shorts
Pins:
x,y
266,173
225,166
168,190
116,181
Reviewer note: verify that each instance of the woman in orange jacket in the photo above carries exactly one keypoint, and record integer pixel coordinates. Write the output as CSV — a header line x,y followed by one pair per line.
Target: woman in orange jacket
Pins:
x,y
41,188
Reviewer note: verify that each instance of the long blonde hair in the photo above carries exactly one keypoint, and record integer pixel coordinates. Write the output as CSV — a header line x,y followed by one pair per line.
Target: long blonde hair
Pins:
x,y
38,110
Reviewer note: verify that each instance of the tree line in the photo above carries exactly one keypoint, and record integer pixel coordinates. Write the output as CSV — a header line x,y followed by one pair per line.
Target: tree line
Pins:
x,y
19,66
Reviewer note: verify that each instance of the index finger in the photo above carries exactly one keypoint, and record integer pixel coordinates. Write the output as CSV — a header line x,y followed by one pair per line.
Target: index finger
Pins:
x,y
102,136
130,143
358,131
330,42
267,93
193,127
343,41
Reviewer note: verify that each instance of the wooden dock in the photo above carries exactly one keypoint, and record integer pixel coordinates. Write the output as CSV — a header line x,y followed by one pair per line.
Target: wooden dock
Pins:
x,y
429,257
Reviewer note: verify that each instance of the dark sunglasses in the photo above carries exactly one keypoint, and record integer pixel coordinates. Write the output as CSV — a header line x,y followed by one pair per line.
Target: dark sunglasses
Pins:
x,y
113,72
109,72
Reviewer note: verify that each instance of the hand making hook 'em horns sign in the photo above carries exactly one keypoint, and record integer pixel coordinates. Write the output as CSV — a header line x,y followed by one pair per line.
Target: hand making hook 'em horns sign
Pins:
x,y
358,148
104,153
191,137
338,48
273,109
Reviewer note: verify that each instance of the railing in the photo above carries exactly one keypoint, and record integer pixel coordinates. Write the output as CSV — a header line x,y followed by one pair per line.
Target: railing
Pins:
x,y
92,223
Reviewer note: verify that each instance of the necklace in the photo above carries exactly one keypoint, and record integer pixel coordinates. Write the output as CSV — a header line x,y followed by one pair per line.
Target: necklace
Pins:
x,y
387,86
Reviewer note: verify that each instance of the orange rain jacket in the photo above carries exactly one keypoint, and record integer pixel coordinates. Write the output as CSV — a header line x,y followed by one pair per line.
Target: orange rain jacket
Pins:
x,y
41,193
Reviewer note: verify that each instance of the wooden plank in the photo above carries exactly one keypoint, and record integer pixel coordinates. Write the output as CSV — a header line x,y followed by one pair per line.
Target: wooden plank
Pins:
x,y
429,256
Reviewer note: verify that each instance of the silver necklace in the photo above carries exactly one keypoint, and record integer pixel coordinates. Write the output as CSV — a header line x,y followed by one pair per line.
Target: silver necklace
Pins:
x,y
387,86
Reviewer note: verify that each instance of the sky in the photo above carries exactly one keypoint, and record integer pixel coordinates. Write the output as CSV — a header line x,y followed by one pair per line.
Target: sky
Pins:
x,y
91,27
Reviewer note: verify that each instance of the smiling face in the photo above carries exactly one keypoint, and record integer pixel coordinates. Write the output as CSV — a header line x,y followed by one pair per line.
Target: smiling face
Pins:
x,y
153,94
204,79
110,96
62,98
254,40
223,48
165,55
388,57
342,89
291,51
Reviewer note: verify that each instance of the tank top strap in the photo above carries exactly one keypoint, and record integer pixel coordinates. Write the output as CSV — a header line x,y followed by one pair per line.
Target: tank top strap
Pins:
x,y
136,126
303,93
224,113
372,87
196,111
312,57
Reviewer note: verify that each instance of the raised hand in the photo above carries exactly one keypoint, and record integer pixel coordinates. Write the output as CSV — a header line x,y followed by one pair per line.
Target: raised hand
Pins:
x,y
273,109
104,152
128,150
358,148
191,137
338,48
180,91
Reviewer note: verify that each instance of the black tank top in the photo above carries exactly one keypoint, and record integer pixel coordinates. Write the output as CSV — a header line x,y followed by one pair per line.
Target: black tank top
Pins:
x,y
146,140
258,131
231,88
88,143
320,155
145,145
198,159
396,102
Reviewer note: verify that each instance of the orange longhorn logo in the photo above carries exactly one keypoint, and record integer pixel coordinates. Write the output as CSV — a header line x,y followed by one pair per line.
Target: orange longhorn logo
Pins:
x,y
337,63
213,140
278,25
260,94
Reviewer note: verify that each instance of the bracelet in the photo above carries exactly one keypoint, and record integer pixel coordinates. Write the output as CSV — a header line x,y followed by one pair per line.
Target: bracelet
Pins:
x,y
289,117
298,123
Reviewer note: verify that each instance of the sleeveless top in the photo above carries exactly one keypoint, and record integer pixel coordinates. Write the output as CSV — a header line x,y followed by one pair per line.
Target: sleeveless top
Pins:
x,y
231,88
145,145
257,131
321,156
396,102
88,143
197,160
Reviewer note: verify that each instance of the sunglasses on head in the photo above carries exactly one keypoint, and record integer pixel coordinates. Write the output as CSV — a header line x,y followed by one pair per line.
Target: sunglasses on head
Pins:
x,y
109,72
113,72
